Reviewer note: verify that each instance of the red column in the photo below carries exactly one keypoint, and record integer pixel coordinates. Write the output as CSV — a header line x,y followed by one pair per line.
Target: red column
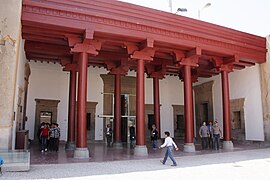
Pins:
x,y
72,107
82,87
156,103
188,100
140,133
226,106
117,108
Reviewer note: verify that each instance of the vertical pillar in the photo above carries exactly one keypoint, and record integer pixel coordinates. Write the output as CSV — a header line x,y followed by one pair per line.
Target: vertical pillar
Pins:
x,y
188,102
227,143
140,148
81,150
117,111
71,111
156,103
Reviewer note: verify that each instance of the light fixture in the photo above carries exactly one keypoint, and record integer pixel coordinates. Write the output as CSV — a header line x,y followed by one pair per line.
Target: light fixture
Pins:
x,y
205,6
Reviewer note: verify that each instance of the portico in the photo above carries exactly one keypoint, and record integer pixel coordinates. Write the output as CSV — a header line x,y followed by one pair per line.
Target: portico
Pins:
x,y
100,33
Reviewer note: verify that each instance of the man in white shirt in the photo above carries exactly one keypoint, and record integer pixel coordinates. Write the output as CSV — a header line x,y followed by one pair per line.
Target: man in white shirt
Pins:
x,y
169,143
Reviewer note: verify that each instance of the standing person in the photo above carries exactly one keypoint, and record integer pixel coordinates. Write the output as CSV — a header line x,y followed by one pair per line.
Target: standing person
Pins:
x,y
54,137
217,134
44,134
204,134
154,136
39,131
57,134
210,139
169,143
132,136
109,135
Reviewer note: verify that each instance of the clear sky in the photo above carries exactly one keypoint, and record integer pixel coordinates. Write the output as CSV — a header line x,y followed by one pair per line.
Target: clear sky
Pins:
x,y
251,16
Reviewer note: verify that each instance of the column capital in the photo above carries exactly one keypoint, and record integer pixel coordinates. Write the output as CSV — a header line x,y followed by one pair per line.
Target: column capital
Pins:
x,y
189,58
225,64
192,62
90,47
122,70
193,74
226,68
156,71
145,51
117,68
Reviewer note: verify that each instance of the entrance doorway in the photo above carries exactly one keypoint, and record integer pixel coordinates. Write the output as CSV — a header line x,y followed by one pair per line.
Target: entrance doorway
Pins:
x,y
126,119
204,107
238,119
128,103
179,121
203,104
180,126
127,114
46,111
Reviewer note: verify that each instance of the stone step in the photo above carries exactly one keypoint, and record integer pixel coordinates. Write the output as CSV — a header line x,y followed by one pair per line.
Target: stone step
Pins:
x,y
17,160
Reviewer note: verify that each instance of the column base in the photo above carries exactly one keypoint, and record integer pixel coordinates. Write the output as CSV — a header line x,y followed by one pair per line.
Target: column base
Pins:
x,y
118,145
81,153
189,147
227,145
70,146
140,150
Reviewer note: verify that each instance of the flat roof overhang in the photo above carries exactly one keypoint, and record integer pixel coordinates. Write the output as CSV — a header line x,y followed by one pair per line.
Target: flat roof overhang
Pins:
x,y
50,28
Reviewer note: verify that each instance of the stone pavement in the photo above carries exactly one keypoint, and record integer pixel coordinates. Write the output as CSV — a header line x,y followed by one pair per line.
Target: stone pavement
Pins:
x,y
238,165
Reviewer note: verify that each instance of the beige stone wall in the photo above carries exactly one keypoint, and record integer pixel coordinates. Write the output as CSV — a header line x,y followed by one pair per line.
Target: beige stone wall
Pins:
x,y
265,86
10,29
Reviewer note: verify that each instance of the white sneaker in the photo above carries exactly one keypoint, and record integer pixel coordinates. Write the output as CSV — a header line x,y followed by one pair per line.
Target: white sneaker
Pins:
x,y
42,150
46,150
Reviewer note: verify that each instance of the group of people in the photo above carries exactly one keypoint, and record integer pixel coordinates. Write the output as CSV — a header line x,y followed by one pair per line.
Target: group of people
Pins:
x,y
210,135
49,135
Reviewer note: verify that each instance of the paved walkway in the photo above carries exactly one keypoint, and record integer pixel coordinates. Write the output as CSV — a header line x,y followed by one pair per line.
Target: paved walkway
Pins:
x,y
238,165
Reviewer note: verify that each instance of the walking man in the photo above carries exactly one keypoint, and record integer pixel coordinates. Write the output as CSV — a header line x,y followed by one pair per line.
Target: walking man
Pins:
x,y
210,129
204,134
169,143
217,134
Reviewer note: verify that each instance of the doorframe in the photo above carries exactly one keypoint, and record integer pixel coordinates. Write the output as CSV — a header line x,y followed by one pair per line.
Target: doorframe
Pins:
x,y
45,105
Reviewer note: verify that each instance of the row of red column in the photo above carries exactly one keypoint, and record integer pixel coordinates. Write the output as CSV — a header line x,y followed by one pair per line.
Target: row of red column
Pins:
x,y
81,141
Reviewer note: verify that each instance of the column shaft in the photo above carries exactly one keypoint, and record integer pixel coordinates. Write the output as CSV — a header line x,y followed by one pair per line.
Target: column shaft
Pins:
x,y
82,91
188,100
156,103
140,112
226,106
117,108
72,106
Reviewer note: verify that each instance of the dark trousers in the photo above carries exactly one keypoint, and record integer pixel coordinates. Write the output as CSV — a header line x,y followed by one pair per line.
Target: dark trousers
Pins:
x,y
109,140
210,142
154,143
54,144
204,142
216,141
